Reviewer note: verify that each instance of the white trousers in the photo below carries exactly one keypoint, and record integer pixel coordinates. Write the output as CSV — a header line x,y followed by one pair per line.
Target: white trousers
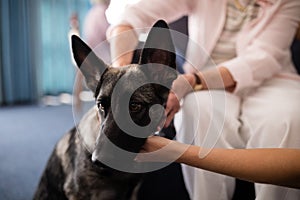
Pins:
x,y
264,118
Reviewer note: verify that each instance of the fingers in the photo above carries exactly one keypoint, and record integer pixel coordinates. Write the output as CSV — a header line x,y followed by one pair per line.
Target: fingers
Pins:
x,y
180,87
170,117
172,108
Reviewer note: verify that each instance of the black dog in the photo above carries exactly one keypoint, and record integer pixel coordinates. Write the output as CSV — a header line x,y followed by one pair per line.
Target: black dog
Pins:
x,y
80,165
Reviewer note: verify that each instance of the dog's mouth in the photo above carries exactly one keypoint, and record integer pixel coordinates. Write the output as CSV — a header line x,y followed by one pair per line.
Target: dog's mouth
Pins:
x,y
103,169
100,165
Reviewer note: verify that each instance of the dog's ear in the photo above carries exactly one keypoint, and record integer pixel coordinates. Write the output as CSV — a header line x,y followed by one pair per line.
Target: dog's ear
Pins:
x,y
159,48
89,64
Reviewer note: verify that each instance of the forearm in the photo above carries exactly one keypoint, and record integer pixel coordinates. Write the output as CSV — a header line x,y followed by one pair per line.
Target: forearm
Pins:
x,y
273,166
217,78
123,41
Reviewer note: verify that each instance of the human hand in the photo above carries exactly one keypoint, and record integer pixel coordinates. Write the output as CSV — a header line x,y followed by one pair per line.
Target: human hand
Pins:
x,y
160,149
172,107
181,87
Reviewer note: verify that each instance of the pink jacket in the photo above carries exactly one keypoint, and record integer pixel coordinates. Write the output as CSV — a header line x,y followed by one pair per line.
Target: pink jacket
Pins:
x,y
263,45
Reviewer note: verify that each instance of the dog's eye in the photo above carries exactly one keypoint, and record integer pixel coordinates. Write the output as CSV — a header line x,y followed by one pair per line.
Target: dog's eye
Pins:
x,y
135,107
101,107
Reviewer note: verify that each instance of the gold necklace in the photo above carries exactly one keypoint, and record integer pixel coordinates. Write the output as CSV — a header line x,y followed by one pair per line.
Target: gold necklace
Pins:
x,y
239,6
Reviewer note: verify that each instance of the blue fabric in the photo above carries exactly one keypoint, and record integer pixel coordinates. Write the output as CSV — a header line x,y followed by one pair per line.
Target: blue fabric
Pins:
x,y
19,59
35,56
57,71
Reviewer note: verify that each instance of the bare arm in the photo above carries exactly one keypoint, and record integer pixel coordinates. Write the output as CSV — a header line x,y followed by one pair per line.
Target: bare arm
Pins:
x,y
271,166
274,166
123,41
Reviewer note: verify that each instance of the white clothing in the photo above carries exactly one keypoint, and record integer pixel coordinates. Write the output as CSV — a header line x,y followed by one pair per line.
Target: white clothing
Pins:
x,y
236,19
263,45
262,118
263,111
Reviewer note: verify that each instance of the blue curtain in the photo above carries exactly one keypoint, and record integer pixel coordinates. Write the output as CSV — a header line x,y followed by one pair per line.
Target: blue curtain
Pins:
x,y
19,51
35,56
58,73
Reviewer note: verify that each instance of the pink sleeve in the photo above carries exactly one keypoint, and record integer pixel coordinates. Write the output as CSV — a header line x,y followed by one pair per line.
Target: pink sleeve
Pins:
x,y
269,52
95,26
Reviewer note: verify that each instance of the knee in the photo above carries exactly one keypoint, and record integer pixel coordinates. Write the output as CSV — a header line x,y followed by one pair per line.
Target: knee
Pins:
x,y
196,103
288,126
281,128
187,119
196,116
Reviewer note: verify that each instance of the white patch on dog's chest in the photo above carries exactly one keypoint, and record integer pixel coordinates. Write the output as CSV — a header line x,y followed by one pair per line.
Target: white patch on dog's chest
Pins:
x,y
89,128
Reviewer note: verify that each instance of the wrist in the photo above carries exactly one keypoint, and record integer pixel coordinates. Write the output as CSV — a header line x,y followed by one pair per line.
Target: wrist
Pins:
x,y
183,85
195,81
198,83
191,79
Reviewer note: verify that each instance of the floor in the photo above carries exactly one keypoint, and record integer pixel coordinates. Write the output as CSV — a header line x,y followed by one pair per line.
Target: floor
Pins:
x,y
27,137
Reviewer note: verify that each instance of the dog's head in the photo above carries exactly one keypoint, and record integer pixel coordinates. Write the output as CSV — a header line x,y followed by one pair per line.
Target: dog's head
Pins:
x,y
128,97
